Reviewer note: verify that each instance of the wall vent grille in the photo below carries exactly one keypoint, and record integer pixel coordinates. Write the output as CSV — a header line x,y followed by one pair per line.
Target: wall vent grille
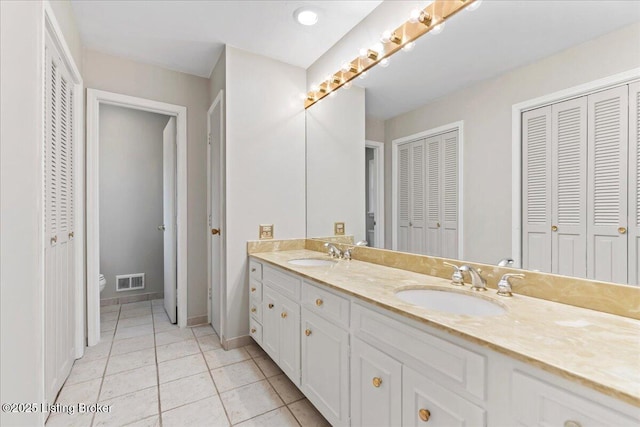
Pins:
x,y
130,282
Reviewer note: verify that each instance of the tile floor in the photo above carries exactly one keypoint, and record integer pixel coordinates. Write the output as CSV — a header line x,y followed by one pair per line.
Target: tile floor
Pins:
x,y
154,374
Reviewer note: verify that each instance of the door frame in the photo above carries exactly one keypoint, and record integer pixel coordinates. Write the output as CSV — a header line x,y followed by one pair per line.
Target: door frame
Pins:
x,y
52,27
623,78
459,126
378,148
223,236
94,99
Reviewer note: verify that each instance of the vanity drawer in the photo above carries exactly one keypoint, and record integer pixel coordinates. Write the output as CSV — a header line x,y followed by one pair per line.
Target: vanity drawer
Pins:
x,y
255,291
456,367
255,329
325,303
535,403
284,283
255,270
255,309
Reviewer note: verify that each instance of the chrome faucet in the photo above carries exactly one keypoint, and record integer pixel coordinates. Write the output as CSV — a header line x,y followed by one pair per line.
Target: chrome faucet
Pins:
x,y
477,281
504,286
362,243
456,278
505,262
348,252
334,252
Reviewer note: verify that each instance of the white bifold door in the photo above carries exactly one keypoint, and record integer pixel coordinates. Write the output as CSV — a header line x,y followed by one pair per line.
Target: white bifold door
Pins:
x,y
169,218
59,203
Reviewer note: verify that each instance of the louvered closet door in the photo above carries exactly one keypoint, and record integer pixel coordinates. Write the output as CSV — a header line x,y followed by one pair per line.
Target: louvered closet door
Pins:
x,y
536,192
607,135
634,185
417,206
404,154
434,195
569,189
449,214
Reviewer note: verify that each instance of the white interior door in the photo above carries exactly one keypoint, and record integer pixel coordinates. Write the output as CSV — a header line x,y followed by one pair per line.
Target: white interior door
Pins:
x,y
634,184
215,214
169,218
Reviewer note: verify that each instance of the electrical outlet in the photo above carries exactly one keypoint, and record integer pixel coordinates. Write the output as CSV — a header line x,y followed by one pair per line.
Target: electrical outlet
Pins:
x,y
266,231
338,228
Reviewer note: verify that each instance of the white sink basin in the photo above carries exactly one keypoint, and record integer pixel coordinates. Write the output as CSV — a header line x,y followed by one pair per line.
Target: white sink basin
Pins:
x,y
450,302
311,262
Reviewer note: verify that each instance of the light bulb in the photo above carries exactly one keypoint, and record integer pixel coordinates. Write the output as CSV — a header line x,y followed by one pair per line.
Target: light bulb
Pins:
x,y
347,85
409,46
414,16
363,53
303,96
332,94
346,67
378,47
384,63
386,36
437,29
363,75
314,88
473,6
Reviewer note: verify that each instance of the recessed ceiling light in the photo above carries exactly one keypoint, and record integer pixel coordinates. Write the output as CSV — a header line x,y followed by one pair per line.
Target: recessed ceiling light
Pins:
x,y
306,16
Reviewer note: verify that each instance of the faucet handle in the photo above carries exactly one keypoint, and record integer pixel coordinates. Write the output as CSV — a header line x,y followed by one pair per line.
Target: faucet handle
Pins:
x,y
456,278
504,285
362,243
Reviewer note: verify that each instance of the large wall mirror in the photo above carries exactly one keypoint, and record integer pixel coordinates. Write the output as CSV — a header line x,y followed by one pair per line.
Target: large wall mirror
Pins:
x,y
511,134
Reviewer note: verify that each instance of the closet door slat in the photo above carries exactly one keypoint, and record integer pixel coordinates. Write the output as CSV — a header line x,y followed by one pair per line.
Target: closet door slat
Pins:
x,y
449,213
634,185
434,202
417,206
404,154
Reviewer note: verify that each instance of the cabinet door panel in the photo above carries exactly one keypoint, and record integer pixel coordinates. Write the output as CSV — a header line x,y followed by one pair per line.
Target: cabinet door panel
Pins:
x,y
271,323
325,367
289,316
445,409
375,403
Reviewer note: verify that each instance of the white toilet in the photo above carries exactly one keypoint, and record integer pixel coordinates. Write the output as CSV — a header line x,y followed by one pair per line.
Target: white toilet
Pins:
x,y
103,282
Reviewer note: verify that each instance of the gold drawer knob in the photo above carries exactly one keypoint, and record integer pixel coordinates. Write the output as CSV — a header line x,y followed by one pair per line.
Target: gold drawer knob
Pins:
x,y
253,289
253,330
270,306
622,230
424,414
253,309
377,381
283,315
307,332
571,423
554,228
319,302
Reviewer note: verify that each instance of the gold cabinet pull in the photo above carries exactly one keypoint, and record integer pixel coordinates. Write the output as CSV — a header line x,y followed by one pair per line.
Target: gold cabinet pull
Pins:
x,y
424,414
622,230
307,332
270,306
253,330
215,231
283,314
253,289
54,239
253,309
319,302
554,228
377,381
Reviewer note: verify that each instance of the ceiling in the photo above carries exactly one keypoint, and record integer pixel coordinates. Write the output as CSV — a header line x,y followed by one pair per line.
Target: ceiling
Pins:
x,y
188,36
477,45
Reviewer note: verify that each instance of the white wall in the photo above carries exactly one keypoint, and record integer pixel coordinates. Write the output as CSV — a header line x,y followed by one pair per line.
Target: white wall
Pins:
x,y
113,74
486,111
335,164
374,129
265,160
131,205
67,22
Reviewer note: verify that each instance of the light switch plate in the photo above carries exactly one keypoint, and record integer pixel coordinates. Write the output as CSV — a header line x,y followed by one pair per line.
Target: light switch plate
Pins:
x,y
266,231
338,228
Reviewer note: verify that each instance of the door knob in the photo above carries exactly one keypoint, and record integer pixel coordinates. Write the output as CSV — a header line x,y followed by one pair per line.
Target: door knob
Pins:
x,y
554,228
307,332
215,231
162,227
424,414
438,225
622,230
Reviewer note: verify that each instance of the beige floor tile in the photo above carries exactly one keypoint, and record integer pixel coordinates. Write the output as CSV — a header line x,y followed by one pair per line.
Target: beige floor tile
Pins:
x,y
164,327
160,317
236,375
132,344
307,415
158,309
209,342
186,390
85,392
98,351
134,331
180,368
176,350
107,335
129,408
207,412
109,308
135,321
133,360
135,313
281,417
157,302
153,421
286,389
64,420
128,382
255,350
110,315
202,330
177,335
249,401
109,325
136,305
85,370
221,357
267,366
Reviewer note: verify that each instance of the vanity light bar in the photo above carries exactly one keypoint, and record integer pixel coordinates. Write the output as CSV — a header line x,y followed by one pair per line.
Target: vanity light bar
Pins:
x,y
431,16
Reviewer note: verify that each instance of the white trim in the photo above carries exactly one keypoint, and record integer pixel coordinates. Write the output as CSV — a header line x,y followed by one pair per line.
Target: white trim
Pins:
x,y
379,228
223,236
459,126
625,77
94,99
52,27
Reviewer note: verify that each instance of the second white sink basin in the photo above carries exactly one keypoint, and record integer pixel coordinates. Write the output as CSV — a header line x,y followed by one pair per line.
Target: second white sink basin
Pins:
x,y
450,302
311,262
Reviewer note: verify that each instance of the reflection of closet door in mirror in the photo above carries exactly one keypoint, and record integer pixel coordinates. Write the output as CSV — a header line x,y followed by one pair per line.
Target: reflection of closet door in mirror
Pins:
x,y
434,195
634,184
411,197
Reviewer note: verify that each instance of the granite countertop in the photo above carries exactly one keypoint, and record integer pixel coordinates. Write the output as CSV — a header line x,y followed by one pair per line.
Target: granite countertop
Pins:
x,y
598,350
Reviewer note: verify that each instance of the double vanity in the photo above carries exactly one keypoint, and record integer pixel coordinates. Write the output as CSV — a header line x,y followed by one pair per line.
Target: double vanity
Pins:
x,y
371,345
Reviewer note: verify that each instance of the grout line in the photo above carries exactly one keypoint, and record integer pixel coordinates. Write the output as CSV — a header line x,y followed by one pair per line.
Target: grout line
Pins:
x,y
224,408
155,351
